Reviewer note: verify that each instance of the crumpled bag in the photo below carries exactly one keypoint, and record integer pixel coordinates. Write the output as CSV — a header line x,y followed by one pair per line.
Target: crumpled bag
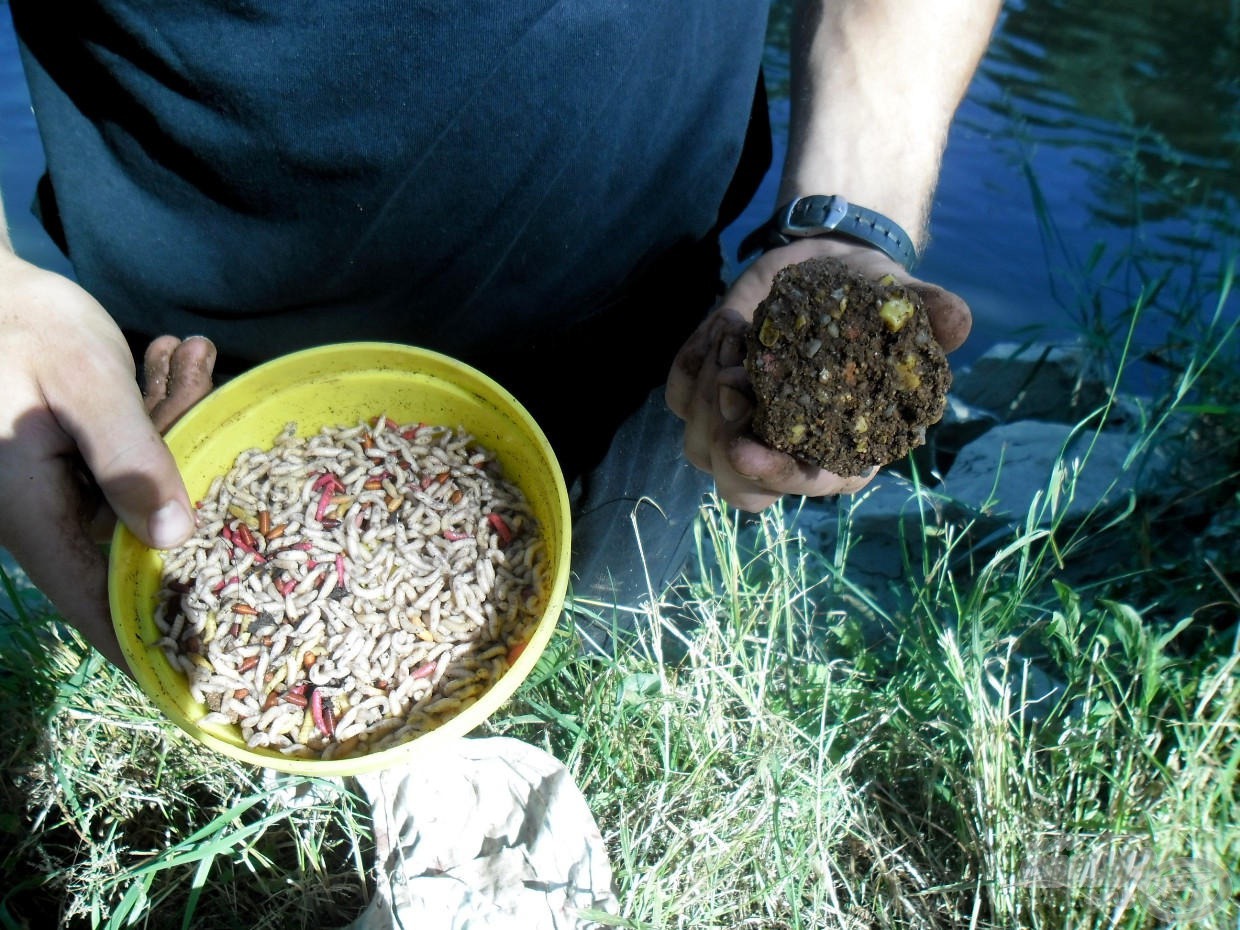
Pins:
x,y
484,833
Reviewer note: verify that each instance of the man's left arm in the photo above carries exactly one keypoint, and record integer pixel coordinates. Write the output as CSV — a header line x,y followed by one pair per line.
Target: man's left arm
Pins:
x,y
875,86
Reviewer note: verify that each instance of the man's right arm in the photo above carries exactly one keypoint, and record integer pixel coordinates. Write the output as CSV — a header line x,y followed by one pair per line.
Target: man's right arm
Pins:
x,y
74,428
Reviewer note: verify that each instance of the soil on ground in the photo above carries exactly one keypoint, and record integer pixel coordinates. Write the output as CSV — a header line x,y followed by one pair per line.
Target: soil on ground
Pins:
x,y
846,371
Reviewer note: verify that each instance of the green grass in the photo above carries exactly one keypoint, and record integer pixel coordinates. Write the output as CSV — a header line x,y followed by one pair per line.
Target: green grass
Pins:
x,y
1015,742
752,760
780,772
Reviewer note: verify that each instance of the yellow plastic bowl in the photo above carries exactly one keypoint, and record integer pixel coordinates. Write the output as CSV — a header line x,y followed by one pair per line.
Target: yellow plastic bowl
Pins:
x,y
339,385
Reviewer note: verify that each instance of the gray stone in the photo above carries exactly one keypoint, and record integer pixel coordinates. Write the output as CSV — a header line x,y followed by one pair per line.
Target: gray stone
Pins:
x,y
1059,384
1066,473
870,545
873,518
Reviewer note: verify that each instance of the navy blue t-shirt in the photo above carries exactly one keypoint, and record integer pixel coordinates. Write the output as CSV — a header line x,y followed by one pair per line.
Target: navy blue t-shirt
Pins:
x,y
461,175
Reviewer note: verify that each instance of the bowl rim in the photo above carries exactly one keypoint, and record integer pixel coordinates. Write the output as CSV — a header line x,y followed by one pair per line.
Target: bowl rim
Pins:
x,y
125,547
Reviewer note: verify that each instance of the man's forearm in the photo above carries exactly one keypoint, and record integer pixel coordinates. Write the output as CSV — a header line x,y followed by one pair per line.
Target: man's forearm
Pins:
x,y
875,84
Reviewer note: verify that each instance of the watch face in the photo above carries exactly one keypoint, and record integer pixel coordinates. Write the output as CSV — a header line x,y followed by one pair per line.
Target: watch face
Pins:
x,y
817,214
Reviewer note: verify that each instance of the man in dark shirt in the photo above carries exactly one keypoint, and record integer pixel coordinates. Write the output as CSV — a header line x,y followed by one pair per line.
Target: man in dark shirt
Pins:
x,y
535,188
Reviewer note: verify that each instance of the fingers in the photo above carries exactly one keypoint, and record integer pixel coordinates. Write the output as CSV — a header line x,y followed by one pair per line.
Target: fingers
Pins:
x,y
766,468
177,374
685,370
156,365
735,485
129,461
722,351
139,478
751,477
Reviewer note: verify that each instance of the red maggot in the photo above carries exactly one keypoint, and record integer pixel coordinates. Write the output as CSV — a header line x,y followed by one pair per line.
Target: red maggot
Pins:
x,y
502,530
322,713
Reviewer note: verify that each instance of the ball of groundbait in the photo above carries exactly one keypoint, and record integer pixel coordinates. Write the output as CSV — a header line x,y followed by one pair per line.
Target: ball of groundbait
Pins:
x,y
846,372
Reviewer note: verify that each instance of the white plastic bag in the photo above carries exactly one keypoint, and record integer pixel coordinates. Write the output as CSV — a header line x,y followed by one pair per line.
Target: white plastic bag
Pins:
x,y
484,833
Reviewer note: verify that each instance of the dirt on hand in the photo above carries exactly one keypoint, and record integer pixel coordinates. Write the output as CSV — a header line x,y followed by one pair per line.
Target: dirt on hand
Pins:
x,y
846,372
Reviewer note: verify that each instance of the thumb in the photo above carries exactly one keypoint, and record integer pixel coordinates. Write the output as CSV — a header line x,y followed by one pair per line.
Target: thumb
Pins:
x,y
950,317
138,476
128,458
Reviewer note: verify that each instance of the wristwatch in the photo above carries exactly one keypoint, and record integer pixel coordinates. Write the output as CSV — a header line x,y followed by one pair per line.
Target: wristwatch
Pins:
x,y
823,215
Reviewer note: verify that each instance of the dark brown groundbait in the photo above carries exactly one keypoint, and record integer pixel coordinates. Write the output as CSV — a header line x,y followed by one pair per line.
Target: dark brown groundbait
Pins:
x,y
846,372
348,591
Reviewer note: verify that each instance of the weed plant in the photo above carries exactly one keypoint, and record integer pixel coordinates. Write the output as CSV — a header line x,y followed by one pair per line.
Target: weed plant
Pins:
x,y
755,763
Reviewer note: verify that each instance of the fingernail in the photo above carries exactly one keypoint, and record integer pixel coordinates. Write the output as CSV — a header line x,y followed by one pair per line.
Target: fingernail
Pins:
x,y
733,405
170,525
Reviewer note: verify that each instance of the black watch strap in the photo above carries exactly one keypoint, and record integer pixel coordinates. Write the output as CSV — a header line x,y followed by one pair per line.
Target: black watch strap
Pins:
x,y
823,215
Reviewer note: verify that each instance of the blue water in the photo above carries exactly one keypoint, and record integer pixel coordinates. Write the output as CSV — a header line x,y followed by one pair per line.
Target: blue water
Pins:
x,y
1118,121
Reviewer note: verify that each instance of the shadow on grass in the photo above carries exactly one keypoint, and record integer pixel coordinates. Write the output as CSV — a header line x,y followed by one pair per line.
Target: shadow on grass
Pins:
x,y
111,817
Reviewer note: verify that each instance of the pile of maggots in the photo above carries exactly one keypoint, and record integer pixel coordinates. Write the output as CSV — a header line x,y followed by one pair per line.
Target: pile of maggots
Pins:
x,y
348,591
